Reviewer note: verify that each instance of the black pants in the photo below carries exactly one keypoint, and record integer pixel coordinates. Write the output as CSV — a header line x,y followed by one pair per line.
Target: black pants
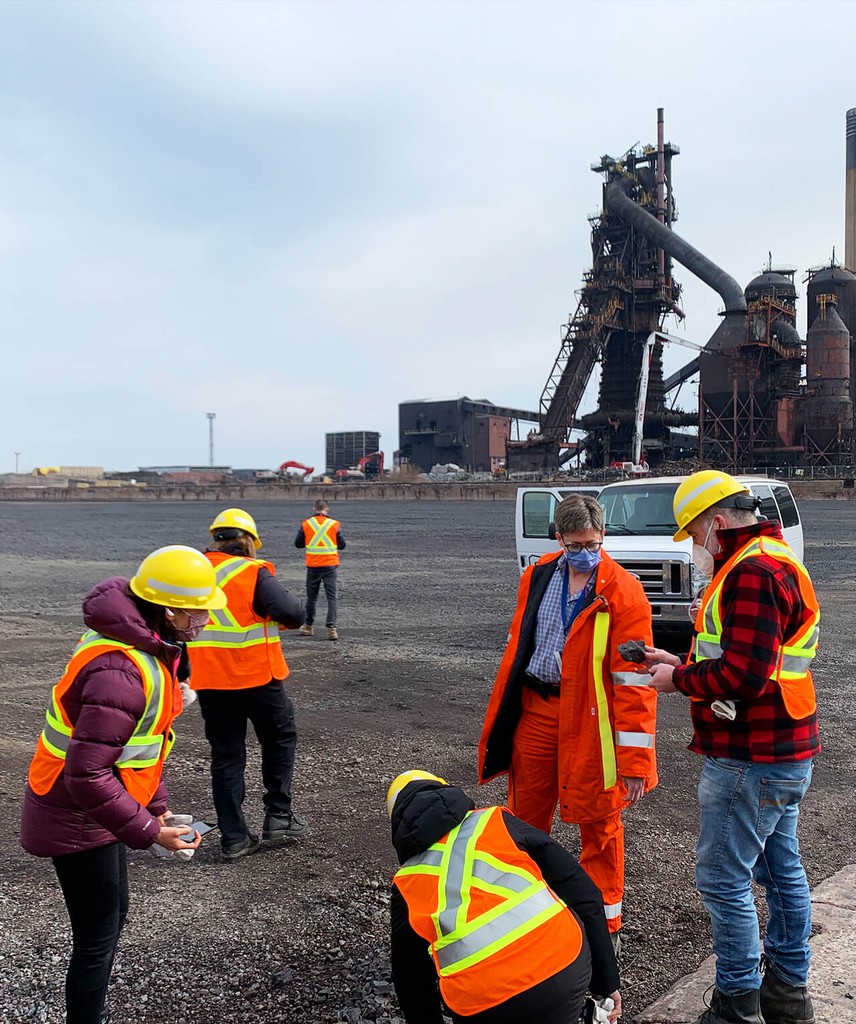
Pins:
x,y
226,713
558,1000
315,576
95,888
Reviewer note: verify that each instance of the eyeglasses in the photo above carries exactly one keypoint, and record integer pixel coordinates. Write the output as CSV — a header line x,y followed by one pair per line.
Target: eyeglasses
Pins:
x,y
593,546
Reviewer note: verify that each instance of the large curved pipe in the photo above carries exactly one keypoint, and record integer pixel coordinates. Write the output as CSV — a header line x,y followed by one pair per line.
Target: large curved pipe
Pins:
x,y
703,268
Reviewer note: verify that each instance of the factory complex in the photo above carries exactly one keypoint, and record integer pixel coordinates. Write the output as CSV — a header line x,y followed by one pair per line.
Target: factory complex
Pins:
x,y
769,399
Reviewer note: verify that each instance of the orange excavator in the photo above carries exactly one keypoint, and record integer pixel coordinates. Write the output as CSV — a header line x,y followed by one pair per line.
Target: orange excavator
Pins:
x,y
307,470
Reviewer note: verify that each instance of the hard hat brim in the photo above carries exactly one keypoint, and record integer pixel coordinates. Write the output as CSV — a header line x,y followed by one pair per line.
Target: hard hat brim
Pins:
x,y
217,601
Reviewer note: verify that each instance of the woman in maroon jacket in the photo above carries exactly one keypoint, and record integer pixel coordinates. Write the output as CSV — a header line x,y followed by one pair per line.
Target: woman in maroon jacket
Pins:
x,y
94,785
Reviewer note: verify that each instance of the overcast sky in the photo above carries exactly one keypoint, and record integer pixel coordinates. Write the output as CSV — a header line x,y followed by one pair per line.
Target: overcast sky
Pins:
x,y
297,215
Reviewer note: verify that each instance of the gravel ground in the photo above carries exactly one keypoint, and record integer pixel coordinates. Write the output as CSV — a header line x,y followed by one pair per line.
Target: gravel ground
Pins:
x,y
299,932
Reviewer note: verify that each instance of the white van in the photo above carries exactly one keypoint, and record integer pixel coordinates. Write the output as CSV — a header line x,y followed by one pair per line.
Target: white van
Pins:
x,y
639,528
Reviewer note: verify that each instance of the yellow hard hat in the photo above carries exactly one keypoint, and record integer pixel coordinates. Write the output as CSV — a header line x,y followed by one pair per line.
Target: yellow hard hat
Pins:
x,y
236,519
400,781
178,577
700,492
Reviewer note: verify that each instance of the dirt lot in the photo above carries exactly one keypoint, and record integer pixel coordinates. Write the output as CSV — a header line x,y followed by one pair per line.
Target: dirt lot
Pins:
x,y
298,933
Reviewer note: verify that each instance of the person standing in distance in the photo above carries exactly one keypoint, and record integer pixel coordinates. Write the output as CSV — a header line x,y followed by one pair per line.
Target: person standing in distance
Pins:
x,y
238,671
94,785
322,539
569,719
754,716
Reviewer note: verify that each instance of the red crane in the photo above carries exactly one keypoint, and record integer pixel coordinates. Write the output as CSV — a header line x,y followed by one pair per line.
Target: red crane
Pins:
x,y
307,470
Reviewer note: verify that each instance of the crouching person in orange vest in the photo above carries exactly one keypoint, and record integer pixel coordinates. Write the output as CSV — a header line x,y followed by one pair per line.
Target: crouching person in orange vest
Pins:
x,y
94,784
492,908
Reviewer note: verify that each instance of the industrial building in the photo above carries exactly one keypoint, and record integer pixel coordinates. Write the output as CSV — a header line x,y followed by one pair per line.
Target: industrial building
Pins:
x,y
469,434
767,399
345,449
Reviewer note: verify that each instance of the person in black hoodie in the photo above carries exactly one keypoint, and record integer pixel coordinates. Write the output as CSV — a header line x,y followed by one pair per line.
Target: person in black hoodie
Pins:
x,y
496,911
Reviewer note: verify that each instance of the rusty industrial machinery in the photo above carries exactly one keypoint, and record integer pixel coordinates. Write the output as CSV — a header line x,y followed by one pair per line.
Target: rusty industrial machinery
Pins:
x,y
627,295
756,411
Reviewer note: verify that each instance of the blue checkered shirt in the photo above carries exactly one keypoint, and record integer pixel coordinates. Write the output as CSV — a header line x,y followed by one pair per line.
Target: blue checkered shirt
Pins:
x,y
550,632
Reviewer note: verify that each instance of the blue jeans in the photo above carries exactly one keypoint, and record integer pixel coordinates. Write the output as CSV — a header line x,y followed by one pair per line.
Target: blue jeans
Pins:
x,y
749,813
315,576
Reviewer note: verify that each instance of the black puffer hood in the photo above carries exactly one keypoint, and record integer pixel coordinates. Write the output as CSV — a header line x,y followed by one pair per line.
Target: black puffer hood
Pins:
x,y
424,812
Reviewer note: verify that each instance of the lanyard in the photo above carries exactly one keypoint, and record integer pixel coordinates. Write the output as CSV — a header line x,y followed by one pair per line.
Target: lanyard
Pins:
x,y
568,616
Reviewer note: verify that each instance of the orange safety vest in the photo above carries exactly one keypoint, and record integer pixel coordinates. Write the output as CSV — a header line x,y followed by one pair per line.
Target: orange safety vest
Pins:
x,y
320,533
140,764
493,925
792,674
237,649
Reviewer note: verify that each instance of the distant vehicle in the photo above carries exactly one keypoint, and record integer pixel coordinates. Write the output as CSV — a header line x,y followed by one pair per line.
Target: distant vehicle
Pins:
x,y
639,528
307,470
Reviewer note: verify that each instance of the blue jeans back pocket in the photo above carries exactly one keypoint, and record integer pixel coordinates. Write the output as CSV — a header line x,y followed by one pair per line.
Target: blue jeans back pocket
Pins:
x,y
780,798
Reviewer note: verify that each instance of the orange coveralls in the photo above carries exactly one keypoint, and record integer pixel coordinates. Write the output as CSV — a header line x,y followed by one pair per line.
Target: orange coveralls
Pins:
x,y
574,747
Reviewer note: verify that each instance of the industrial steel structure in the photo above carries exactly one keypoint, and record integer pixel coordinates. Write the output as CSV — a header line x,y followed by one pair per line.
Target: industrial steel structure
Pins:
x,y
345,448
756,409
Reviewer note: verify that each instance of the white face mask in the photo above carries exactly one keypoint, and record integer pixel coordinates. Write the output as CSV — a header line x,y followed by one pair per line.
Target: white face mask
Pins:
x,y
702,557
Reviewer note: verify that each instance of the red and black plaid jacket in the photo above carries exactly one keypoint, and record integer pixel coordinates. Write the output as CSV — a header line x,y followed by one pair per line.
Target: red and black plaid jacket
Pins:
x,y
761,607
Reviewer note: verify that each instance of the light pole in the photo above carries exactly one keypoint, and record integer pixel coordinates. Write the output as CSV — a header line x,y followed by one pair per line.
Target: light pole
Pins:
x,y
211,417
16,461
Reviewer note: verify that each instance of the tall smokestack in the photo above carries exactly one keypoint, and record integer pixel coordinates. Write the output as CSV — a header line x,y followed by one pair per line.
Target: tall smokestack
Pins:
x,y
850,194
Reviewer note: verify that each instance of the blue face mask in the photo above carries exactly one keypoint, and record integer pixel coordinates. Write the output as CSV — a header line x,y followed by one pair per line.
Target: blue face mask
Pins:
x,y
585,561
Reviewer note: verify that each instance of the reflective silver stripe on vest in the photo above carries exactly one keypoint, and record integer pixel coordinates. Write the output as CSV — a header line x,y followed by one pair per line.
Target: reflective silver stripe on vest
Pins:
x,y
457,860
240,635
634,739
142,746
799,666
707,649
496,876
321,542
515,917
630,679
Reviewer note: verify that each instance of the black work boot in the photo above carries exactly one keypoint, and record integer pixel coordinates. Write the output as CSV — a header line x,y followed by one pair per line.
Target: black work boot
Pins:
x,y
782,1003
743,1008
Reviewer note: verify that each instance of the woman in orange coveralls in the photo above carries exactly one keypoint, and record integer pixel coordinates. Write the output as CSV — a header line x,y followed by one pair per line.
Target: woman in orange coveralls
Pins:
x,y
571,721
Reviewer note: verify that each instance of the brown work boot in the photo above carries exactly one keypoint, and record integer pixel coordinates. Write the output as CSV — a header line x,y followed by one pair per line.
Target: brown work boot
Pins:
x,y
306,629
742,1008
782,1003
331,633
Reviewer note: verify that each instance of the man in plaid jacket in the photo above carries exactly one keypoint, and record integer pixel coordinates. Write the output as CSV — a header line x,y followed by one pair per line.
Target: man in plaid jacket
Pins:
x,y
754,718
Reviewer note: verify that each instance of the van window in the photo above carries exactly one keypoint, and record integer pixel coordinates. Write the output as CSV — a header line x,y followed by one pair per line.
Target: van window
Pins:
x,y
787,506
639,509
538,509
769,509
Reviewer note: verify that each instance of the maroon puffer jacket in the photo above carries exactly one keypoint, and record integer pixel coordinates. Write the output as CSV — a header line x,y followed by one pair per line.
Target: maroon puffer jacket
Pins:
x,y
88,806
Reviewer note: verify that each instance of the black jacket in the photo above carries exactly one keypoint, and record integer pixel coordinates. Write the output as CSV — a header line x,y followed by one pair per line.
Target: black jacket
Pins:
x,y
426,811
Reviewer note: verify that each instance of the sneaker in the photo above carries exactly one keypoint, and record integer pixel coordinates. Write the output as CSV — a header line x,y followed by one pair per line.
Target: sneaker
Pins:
x,y
615,939
306,629
284,826
331,633
243,848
